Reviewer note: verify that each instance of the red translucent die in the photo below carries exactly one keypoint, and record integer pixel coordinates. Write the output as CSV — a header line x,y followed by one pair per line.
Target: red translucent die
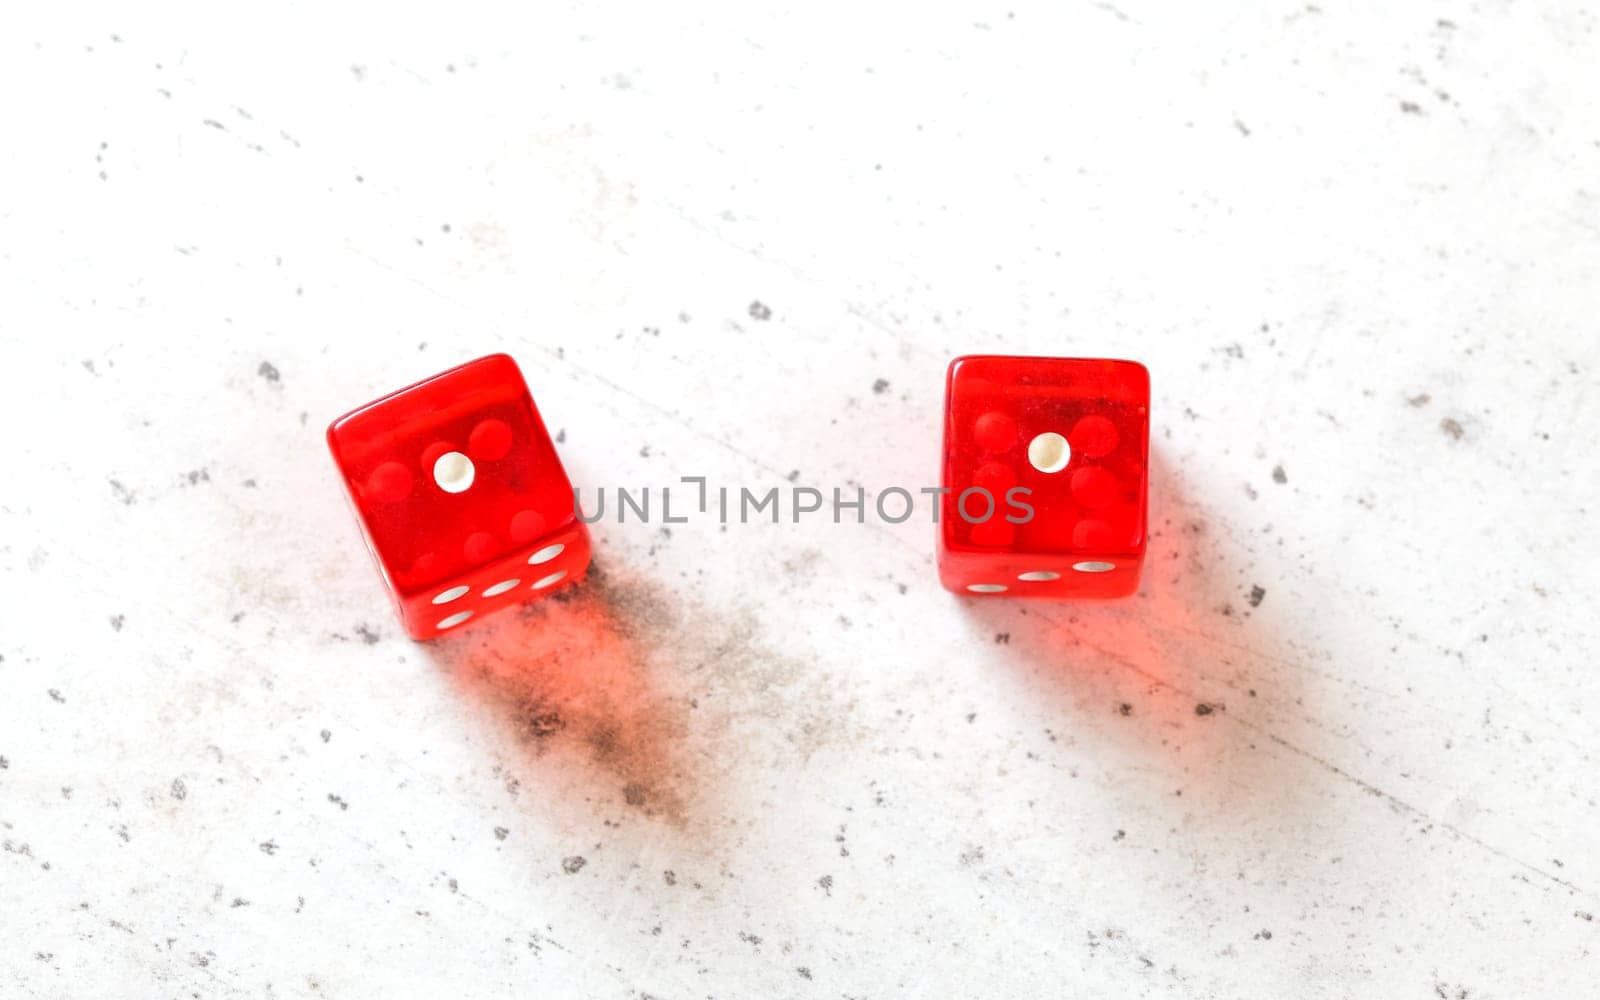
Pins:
x,y
460,495
1073,432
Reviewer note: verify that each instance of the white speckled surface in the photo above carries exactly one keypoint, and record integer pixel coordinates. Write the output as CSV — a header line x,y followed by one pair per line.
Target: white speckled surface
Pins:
x,y
1342,745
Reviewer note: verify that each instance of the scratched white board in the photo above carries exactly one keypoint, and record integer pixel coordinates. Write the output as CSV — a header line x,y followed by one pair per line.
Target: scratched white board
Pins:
x,y
1342,744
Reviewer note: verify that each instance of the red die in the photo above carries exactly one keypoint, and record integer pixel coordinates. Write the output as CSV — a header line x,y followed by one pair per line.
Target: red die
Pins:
x,y
1044,461
460,495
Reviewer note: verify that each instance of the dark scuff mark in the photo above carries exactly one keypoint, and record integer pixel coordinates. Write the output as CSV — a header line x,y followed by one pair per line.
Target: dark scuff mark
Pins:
x,y
544,724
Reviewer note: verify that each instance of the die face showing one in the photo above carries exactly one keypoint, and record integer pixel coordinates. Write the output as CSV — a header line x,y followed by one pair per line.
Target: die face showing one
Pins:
x,y
460,495
1075,433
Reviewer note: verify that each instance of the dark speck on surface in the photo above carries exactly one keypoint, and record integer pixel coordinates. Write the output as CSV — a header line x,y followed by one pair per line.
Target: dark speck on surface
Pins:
x,y
1203,709
116,623
338,801
1452,428
1278,475
881,386
1256,594
573,864
366,633
760,311
4,763
123,493
269,847
180,791
327,734
269,371
501,833
1419,401
544,724
670,877
57,697
804,972
1125,708
1411,107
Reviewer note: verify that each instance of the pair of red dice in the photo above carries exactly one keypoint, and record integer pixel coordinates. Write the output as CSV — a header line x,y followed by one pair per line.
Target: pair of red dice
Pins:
x,y
466,508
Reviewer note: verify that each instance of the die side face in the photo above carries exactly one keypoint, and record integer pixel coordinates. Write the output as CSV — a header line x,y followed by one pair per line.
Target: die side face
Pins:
x,y
1075,433
454,480
545,565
